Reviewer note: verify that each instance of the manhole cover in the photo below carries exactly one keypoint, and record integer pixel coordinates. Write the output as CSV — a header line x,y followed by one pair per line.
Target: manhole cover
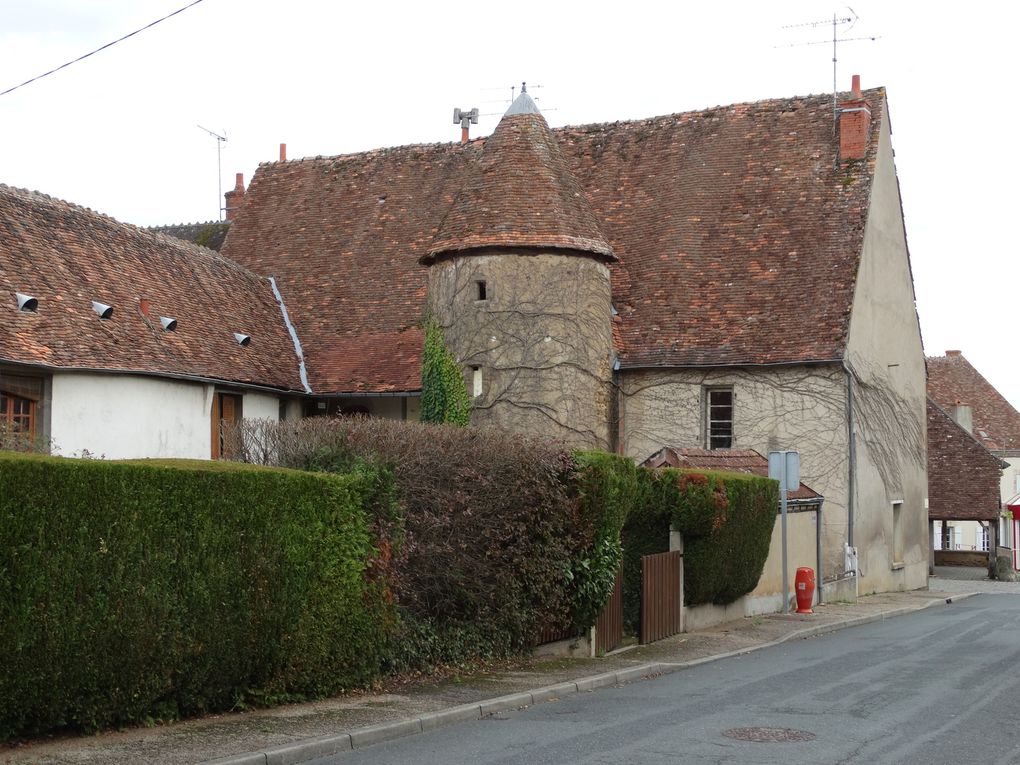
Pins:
x,y
768,734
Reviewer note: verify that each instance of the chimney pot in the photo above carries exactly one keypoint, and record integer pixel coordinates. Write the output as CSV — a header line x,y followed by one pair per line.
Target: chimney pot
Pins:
x,y
233,198
855,87
283,152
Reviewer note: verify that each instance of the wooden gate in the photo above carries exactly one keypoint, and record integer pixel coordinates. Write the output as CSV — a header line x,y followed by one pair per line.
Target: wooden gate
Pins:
x,y
661,598
609,626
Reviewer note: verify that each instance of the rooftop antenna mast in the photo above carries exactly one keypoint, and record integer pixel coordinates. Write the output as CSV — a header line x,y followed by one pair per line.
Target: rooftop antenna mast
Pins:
x,y
220,140
837,22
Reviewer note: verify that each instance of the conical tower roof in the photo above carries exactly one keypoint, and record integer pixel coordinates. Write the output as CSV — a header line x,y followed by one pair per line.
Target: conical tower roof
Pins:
x,y
521,194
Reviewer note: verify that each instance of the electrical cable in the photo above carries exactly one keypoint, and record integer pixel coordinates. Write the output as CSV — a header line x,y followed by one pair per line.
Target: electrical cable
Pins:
x,y
80,58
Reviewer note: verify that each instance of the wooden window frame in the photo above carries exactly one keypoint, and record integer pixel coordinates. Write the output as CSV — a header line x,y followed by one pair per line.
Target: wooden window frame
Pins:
x,y
8,416
713,440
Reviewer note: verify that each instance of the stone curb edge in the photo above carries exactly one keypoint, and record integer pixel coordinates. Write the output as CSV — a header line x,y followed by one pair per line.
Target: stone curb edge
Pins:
x,y
326,746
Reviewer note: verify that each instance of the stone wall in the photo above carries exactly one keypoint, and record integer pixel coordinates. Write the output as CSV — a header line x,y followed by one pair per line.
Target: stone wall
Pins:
x,y
539,336
774,408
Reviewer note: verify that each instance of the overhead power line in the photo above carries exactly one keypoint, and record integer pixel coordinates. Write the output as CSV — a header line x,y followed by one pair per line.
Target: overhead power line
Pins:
x,y
109,44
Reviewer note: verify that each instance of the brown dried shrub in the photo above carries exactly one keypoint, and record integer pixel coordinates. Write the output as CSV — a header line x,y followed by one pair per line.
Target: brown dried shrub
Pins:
x,y
489,528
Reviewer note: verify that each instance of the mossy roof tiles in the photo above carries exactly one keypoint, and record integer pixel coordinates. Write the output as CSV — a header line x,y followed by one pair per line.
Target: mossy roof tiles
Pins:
x,y
738,234
963,476
67,256
952,379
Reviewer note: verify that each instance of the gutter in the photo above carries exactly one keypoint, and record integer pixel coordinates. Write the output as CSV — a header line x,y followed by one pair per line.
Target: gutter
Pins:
x,y
146,373
733,365
293,335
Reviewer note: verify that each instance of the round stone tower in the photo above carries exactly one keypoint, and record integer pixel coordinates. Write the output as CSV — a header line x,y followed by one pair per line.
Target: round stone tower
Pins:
x,y
519,282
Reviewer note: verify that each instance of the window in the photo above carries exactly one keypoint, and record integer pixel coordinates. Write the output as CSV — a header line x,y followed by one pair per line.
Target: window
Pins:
x,y
982,538
17,414
948,537
476,380
719,410
483,293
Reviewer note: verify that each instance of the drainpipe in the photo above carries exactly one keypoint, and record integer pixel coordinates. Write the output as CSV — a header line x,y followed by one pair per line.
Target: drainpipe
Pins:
x,y
819,573
852,453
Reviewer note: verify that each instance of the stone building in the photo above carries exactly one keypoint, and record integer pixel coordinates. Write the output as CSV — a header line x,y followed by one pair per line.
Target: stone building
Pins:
x,y
729,278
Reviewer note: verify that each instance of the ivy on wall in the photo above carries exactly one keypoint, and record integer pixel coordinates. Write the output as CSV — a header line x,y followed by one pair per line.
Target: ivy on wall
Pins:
x,y
444,396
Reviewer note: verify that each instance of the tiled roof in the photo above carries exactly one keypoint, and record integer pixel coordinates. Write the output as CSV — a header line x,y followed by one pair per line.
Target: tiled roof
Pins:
x,y
210,234
342,236
952,380
963,476
738,236
520,193
67,256
732,460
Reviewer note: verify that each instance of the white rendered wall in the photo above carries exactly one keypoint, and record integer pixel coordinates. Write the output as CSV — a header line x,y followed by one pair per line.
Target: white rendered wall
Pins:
x,y
127,417
124,417
260,406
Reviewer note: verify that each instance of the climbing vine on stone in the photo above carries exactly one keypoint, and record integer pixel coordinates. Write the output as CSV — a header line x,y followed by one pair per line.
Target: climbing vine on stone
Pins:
x,y
444,396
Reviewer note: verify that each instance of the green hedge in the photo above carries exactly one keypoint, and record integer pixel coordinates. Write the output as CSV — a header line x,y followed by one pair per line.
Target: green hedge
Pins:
x,y
726,520
608,487
151,590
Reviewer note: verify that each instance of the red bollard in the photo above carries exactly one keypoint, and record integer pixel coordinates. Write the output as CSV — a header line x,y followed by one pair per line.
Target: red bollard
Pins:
x,y
805,587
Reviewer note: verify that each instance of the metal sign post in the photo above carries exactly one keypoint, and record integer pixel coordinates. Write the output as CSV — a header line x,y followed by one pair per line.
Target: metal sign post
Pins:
x,y
785,468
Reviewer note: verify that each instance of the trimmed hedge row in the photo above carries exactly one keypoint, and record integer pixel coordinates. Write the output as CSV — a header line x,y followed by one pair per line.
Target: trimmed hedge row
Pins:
x,y
726,520
146,590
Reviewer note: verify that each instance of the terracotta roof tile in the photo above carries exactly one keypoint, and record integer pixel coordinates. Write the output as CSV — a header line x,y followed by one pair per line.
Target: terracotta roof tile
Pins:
x,y
520,193
963,476
67,256
738,235
952,380
732,460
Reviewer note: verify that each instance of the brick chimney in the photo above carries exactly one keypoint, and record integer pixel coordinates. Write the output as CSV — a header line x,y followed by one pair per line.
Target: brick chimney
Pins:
x,y
283,152
854,124
954,353
233,199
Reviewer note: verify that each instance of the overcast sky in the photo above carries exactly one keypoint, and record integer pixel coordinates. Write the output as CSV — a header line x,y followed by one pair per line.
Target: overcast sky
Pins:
x,y
118,132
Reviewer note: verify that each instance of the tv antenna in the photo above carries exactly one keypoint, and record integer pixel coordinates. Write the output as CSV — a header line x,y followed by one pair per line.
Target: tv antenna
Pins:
x,y
837,22
220,140
513,91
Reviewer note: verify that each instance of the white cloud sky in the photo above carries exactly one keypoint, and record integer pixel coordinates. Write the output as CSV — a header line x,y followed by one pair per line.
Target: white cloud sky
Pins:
x,y
119,131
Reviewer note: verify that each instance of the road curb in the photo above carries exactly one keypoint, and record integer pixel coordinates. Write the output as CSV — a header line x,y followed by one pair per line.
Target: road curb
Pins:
x,y
325,746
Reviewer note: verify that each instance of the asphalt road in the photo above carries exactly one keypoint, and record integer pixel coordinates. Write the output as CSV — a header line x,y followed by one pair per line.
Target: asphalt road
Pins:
x,y
938,686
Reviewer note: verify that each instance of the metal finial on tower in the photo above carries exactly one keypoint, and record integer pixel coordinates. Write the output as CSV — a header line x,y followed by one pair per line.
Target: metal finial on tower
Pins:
x,y
524,87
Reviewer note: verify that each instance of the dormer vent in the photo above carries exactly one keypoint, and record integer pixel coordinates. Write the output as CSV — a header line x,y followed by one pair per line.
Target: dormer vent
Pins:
x,y
26,302
242,340
105,311
170,325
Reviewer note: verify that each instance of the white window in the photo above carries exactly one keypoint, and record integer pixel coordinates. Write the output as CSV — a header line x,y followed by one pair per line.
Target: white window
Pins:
x,y
982,538
476,380
719,418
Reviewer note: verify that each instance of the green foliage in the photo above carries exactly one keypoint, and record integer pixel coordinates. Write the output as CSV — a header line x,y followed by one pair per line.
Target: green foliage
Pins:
x,y
726,562
444,397
608,488
139,590
726,520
